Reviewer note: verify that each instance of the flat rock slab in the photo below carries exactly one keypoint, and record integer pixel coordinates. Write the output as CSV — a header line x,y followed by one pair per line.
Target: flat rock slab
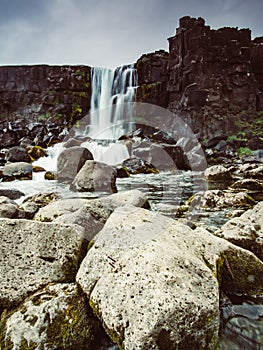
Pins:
x,y
34,254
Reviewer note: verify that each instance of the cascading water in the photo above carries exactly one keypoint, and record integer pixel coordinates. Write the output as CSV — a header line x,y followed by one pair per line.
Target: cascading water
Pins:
x,y
110,113
110,90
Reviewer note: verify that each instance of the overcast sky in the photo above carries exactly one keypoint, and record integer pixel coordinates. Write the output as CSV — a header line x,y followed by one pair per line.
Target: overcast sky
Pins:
x,y
107,33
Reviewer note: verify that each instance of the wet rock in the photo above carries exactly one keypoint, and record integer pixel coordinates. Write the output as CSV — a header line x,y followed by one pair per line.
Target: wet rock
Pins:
x,y
95,176
56,317
11,193
29,209
161,156
36,152
217,173
256,173
248,184
246,231
19,170
136,165
70,161
217,199
34,254
137,254
43,199
51,175
17,154
8,208
122,172
242,325
38,169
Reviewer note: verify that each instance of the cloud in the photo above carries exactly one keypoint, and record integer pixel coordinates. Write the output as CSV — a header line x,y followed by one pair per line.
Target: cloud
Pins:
x,y
107,33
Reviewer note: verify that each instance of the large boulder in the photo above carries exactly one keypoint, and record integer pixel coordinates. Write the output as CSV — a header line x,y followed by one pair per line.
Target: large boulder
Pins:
x,y
161,156
34,254
70,161
162,280
19,170
55,317
93,214
246,231
95,176
17,154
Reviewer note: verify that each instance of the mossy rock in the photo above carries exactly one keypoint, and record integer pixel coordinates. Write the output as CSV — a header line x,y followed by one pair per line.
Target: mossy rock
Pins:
x,y
57,317
36,152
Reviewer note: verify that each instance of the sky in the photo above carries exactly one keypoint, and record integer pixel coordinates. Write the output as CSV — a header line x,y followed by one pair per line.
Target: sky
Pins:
x,y
107,33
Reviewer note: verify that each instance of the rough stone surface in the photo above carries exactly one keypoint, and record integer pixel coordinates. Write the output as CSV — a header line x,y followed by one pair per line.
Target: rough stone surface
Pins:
x,y
17,154
50,92
217,199
217,173
34,254
248,184
11,193
246,231
8,208
55,209
56,317
19,170
95,176
94,213
256,173
70,161
161,275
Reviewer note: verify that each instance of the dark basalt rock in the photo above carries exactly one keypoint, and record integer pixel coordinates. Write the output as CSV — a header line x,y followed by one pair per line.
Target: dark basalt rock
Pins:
x,y
136,165
17,154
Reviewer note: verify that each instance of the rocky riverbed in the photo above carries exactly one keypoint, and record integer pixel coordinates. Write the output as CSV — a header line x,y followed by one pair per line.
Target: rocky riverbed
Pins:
x,y
131,255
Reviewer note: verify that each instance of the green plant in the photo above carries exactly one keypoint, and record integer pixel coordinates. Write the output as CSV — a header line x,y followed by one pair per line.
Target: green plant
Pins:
x,y
44,116
244,151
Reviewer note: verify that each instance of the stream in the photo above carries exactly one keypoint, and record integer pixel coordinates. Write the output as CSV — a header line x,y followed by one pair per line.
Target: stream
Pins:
x,y
242,319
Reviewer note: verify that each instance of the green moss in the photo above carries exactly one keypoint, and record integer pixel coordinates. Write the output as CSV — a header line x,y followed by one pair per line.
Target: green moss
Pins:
x,y
90,245
244,151
116,337
239,272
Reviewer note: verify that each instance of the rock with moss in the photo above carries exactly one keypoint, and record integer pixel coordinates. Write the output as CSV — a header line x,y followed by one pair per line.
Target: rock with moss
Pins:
x,y
217,173
56,317
246,231
34,254
218,199
256,173
154,282
19,170
137,165
36,152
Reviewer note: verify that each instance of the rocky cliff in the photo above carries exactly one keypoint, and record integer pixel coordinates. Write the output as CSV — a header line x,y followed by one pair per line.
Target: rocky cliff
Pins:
x,y
212,78
58,93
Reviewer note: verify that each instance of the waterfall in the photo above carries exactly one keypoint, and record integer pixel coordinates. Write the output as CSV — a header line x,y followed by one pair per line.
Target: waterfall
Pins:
x,y
111,89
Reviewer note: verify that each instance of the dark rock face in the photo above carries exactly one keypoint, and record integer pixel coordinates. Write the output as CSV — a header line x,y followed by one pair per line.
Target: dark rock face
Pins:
x,y
210,77
58,93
